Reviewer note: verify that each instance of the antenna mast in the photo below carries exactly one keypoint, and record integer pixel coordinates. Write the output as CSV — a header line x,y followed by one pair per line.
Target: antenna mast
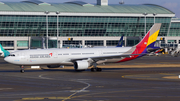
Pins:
x,y
122,2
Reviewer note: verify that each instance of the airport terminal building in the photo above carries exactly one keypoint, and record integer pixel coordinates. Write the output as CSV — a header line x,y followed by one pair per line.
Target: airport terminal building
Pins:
x,y
28,24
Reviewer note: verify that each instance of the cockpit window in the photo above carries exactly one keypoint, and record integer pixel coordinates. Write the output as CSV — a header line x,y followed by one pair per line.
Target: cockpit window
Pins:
x,y
11,55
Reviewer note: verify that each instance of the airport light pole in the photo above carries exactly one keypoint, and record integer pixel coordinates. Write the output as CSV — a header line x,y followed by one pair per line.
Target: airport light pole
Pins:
x,y
57,27
145,22
46,12
154,17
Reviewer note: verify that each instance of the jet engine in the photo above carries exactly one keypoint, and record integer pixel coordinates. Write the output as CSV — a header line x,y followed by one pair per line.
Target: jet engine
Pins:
x,y
81,65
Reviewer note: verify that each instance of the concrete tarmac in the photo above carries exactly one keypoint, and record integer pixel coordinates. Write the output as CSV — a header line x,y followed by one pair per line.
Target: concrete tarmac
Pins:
x,y
153,78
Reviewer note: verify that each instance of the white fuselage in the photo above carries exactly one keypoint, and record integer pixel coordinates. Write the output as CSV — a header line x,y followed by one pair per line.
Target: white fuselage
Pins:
x,y
61,56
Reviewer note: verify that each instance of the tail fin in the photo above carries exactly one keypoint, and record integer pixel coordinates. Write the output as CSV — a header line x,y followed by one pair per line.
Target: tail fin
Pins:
x,y
120,43
3,52
147,42
149,39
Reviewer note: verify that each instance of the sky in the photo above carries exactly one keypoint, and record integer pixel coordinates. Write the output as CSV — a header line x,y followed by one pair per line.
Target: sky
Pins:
x,y
173,5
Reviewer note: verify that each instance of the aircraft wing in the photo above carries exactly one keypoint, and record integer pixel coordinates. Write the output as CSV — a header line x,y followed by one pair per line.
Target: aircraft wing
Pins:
x,y
106,57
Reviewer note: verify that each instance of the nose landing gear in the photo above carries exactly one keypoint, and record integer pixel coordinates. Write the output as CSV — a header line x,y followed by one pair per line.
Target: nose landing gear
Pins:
x,y
22,69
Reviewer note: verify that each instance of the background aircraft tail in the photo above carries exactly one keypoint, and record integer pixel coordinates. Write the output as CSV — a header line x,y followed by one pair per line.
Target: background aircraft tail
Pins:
x,y
120,43
3,52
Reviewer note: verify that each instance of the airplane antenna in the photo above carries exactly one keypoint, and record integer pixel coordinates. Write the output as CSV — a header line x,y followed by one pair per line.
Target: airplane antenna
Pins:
x,y
122,2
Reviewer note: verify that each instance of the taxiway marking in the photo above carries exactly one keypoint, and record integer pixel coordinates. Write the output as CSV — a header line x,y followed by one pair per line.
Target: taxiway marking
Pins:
x,y
5,88
75,91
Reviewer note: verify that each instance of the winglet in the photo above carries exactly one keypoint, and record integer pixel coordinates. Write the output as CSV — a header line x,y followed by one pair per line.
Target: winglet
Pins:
x,y
3,52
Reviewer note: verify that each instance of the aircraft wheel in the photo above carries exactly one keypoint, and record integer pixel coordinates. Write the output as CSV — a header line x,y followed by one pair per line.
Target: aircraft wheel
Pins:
x,y
93,69
96,69
99,69
22,71
80,70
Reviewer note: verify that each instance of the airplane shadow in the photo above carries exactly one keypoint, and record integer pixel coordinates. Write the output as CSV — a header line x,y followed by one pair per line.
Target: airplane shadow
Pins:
x,y
88,70
15,71
62,70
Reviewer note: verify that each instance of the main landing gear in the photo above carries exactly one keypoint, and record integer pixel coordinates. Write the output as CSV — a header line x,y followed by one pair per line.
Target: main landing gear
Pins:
x,y
22,69
95,68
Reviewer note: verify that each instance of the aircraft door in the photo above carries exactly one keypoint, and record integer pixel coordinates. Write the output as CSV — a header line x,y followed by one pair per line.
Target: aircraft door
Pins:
x,y
100,53
23,56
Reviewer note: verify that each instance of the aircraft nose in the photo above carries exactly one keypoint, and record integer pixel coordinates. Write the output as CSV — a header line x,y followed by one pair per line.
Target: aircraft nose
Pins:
x,y
7,59
12,60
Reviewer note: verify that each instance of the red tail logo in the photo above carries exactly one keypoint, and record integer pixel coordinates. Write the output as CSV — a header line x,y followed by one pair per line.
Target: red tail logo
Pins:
x,y
51,54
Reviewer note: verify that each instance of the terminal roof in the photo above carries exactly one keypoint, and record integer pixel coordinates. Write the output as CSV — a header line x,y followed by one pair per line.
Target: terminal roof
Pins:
x,y
1,3
81,7
80,3
37,2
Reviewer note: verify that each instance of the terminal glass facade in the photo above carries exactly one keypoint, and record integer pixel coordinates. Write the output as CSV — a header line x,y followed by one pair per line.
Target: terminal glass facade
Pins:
x,y
7,43
22,43
174,29
36,44
84,26
94,42
80,26
112,42
72,42
52,43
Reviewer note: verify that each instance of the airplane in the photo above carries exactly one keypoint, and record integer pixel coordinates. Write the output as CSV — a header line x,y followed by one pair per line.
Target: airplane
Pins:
x,y
83,58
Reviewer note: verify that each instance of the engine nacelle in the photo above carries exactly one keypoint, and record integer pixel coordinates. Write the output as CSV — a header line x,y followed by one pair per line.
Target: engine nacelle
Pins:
x,y
53,66
81,65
